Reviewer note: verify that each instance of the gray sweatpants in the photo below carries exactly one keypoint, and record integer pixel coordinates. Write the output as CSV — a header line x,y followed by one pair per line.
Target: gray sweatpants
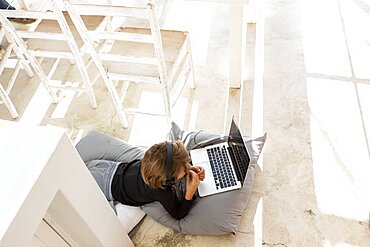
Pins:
x,y
102,154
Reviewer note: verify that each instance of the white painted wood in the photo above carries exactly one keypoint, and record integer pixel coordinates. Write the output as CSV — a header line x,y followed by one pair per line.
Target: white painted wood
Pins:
x,y
25,64
108,37
191,64
42,35
59,229
46,15
30,52
53,69
224,1
125,87
13,77
51,54
237,44
130,59
154,25
76,53
15,39
8,103
183,73
65,87
23,4
36,242
177,66
4,93
54,180
144,79
101,35
258,92
48,236
94,55
105,10
138,111
3,61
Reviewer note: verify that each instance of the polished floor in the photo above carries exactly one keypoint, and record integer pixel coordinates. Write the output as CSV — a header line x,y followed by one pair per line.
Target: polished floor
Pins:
x,y
307,86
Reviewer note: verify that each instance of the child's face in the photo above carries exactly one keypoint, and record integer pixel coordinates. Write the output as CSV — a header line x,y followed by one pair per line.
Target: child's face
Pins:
x,y
183,172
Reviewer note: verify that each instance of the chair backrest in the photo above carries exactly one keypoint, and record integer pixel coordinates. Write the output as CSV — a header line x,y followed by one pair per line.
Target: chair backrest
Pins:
x,y
114,65
51,38
14,65
112,34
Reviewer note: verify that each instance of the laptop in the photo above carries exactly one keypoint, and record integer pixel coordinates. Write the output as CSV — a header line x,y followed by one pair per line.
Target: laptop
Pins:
x,y
225,164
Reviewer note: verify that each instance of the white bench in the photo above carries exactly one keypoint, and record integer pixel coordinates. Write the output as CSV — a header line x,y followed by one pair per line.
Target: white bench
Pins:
x,y
47,194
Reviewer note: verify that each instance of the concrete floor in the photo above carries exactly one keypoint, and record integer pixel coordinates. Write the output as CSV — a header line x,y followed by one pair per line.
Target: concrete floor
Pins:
x,y
312,188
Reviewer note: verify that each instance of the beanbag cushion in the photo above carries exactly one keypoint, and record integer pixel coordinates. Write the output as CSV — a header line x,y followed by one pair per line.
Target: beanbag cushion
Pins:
x,y
215,214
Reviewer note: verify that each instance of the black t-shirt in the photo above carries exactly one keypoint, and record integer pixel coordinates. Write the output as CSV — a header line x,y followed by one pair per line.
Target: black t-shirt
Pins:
x,y
128,187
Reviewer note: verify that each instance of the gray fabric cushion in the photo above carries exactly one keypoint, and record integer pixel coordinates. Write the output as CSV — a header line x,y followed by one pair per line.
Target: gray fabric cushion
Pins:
x,y
216,214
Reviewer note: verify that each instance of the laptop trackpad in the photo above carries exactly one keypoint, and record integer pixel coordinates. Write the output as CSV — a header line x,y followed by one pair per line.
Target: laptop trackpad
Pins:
x,y
199,156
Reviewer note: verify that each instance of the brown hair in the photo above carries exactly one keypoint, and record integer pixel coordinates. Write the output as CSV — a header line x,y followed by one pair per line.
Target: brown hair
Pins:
x,y
153,165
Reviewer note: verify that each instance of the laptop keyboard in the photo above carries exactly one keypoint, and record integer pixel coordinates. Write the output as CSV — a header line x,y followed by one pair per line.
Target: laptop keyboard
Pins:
x,y
239,154
221,167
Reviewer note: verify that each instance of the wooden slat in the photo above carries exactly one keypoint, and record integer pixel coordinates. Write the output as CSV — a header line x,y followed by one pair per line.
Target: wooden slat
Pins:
x,y
134,78
141,38
52,54
137,111
42,35
103,10
128,59
29,14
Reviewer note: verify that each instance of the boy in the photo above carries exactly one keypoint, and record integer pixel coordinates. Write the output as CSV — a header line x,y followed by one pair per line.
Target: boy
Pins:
x,y
128,175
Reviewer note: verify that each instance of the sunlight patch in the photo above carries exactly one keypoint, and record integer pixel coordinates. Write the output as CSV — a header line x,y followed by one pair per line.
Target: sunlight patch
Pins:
x,y
38,106
324,46
339,152
199,25
149,129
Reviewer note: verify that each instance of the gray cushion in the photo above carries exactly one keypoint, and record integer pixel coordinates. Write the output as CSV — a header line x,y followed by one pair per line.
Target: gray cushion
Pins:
x,y
216,214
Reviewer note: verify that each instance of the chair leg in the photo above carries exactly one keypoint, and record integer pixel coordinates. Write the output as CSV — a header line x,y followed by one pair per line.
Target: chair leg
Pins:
x,y
155,29
167,102
94,56
191,64
13,37
25,63
8,103
77,55
117,105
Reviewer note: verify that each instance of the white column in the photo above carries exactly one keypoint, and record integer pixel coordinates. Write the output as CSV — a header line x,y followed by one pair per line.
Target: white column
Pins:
x,y
237,44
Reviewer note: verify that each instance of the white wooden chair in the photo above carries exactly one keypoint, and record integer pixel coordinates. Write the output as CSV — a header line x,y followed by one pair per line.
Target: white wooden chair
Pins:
x,y
15,65
51,38
126,54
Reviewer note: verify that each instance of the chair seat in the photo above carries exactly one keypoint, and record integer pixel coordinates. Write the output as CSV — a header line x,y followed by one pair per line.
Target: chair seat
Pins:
x,y
50,37
172,41
52,26
126,53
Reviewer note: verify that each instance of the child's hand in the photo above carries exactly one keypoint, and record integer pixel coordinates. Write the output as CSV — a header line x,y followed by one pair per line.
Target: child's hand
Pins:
x,y
199,171
192,183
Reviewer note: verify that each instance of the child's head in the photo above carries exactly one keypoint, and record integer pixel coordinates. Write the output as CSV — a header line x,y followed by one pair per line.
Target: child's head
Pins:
x,y
153,165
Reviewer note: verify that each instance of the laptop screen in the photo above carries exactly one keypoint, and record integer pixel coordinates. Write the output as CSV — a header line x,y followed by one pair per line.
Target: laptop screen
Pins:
x,y
238,152
234,135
